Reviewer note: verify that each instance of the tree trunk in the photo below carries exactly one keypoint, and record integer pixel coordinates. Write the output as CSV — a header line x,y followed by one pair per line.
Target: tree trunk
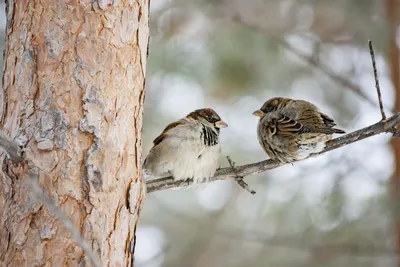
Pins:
x,y
394,66
73,90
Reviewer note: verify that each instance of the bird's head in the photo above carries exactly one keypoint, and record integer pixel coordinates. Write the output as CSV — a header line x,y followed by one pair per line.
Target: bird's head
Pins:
x,y
271,105
208,117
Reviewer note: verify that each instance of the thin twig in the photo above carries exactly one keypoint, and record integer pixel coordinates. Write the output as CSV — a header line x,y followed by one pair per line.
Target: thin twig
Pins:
x,y
328,72
378,88
254,168
239,179
39,194
309,59
11,147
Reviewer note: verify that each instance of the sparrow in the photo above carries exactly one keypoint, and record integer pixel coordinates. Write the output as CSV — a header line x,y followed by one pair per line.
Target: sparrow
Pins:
x,y
290,130
187,149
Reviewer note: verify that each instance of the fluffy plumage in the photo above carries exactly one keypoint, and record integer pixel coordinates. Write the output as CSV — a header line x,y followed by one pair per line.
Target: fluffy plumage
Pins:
x,y
188,148
290,130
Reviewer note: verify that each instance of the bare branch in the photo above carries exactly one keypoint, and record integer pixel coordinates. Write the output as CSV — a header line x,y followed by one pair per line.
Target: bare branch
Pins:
x,y
11,147
309,59
328,72
378,88
39,194
239,179
386,126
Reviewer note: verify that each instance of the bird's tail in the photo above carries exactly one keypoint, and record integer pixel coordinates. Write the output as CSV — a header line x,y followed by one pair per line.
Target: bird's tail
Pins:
x,y
338,131
326,130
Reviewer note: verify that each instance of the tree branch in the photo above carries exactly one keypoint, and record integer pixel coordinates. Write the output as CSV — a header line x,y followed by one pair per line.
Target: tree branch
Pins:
x,y
239,179
378,88
386,126
309,59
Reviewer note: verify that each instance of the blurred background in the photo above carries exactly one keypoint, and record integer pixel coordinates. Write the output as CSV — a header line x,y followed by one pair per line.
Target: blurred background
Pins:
x,y
335,210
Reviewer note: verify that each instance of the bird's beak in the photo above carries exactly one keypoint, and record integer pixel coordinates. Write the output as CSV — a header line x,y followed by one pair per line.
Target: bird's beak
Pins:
x,y
258,113
221,124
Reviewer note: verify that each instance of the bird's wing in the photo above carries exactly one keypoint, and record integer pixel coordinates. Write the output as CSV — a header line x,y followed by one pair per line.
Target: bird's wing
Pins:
x,y
164,133
328,121
317,122
284,126
311,117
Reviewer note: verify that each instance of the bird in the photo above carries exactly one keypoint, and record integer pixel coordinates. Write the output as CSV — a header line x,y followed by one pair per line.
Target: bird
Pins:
x,y
187,149
289,130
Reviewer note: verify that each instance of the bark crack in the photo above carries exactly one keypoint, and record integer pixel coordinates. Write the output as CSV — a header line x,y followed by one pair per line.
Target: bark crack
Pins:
x,y
116,216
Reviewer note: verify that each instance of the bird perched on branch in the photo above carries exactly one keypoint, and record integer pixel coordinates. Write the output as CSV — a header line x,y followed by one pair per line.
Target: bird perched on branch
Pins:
x,y
290,130
188,148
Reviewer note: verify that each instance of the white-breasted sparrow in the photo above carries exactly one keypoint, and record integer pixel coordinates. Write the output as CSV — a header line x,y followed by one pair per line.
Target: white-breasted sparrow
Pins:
x,y
290,130
188,148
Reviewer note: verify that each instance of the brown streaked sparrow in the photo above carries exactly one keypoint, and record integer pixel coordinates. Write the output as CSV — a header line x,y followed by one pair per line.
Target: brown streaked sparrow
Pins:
x,y
290,130
188,148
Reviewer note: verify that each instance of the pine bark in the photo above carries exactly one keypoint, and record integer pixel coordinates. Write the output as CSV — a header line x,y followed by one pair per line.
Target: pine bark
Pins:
x,y
72,97
392,8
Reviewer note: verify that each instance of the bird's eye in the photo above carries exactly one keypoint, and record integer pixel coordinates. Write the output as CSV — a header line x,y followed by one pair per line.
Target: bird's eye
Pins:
x,y
268,109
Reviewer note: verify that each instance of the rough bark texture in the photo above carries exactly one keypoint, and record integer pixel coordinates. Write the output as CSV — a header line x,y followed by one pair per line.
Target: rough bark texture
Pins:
x,y
73,90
